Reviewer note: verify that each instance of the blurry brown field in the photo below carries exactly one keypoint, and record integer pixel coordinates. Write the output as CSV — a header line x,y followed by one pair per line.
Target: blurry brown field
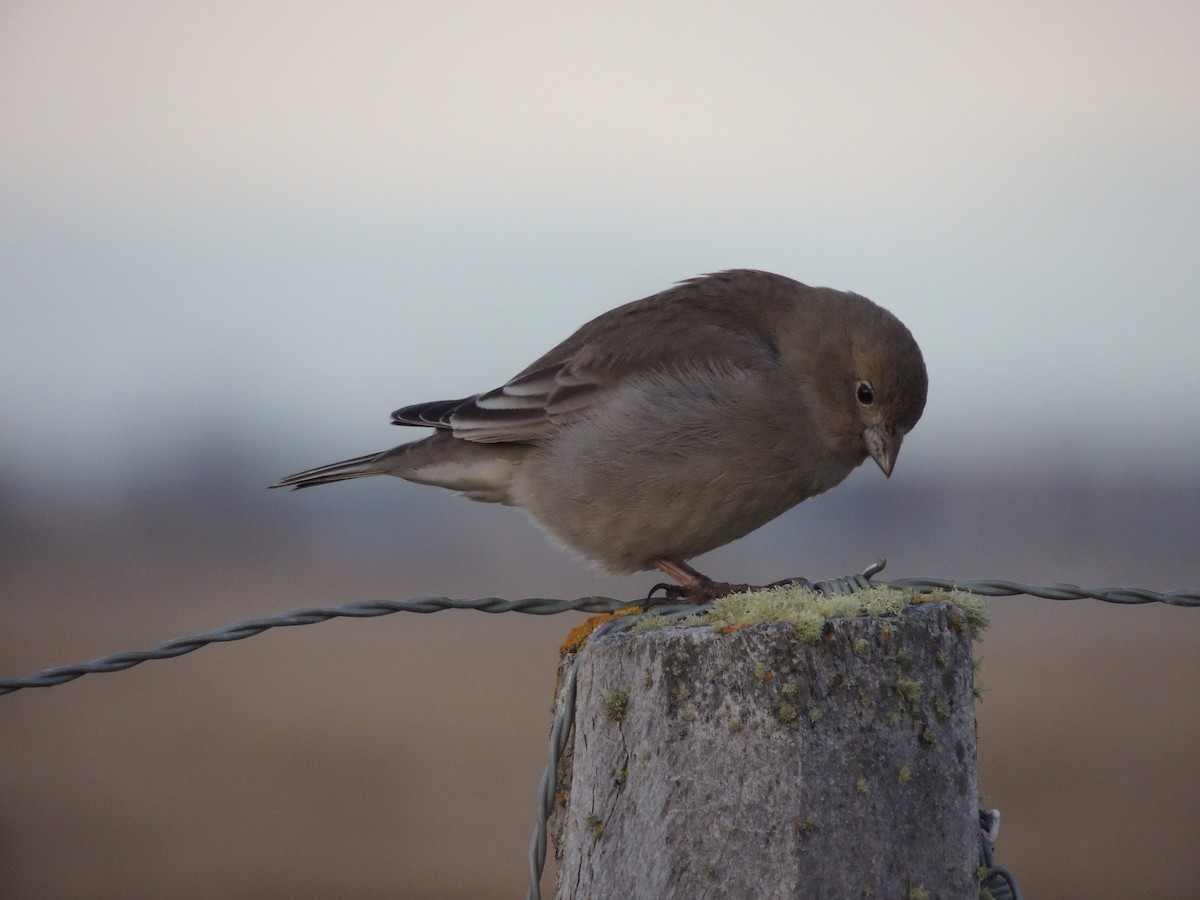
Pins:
x,y
399,756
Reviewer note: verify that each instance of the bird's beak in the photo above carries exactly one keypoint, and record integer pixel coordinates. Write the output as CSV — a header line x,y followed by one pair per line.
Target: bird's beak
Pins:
x,y
883,445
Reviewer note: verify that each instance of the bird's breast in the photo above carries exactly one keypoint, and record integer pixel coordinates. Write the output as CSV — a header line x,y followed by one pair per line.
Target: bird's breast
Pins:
x,y
626,497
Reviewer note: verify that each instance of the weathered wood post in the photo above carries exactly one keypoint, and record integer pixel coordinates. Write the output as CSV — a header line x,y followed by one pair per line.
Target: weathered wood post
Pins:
x,y
759,762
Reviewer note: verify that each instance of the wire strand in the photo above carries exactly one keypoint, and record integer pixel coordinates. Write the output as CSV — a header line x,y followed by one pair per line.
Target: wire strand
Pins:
x,y
539,606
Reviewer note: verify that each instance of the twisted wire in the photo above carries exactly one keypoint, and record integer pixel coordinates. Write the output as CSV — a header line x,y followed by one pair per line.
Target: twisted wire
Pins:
x,y
994,587
539,606
309,615
997,880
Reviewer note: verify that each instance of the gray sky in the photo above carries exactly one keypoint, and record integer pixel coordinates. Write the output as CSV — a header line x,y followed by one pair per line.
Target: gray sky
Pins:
x,y
223,219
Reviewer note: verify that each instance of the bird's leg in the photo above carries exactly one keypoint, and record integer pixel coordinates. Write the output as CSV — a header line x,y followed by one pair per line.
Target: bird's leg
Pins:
x,y
695,587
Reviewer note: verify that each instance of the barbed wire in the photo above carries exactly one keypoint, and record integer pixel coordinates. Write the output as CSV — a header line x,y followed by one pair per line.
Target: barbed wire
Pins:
x,y
995,879
539,606
993,587
309,615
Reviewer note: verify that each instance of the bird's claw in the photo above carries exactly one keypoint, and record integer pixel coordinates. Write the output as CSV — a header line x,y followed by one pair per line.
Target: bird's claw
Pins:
x,y
696,594
671,595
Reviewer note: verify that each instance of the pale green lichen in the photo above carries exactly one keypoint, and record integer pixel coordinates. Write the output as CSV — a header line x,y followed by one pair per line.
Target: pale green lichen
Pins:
x,y
616,704
806,610
814,713
980,875
649,623
974,607
903,775
809,611
862,786
908,689
977,687
807,825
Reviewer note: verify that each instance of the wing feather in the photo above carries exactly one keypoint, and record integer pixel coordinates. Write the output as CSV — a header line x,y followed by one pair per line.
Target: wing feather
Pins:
x,y
705,322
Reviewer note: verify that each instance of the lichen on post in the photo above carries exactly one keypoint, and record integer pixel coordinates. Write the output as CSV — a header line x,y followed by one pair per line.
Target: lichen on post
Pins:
x,y
776,749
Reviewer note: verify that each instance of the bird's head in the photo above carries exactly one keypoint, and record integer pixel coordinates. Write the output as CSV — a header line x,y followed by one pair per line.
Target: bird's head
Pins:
x,y
888,387
872,380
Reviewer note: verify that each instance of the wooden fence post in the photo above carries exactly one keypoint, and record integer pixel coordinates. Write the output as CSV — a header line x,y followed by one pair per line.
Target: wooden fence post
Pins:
x,y
746,763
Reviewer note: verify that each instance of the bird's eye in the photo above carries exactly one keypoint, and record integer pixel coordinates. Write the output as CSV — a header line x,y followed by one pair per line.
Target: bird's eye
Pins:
x,y
865,393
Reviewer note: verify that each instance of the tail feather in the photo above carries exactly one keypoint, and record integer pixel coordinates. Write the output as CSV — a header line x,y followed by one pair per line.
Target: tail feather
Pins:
x,y
479,471
359,467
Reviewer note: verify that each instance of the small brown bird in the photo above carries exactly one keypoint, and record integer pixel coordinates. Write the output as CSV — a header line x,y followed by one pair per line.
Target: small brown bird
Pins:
x,y
675,424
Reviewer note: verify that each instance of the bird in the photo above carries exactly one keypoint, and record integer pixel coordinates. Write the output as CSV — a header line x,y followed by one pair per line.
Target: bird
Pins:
x,y
675,424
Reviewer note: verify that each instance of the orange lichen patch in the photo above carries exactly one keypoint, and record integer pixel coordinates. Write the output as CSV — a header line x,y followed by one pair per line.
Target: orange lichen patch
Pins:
x,y
578,636
729,629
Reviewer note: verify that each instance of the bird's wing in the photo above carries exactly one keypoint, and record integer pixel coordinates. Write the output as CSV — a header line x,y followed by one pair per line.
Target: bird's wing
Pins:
x,y
525,409
688,327
534,404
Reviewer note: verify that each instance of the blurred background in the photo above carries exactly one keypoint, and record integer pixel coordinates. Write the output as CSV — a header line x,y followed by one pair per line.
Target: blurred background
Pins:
x,y
235,236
